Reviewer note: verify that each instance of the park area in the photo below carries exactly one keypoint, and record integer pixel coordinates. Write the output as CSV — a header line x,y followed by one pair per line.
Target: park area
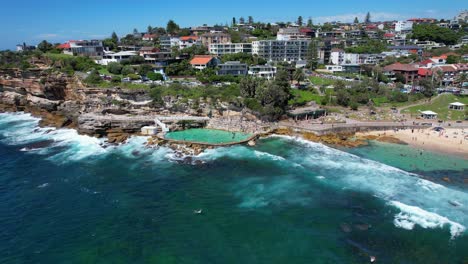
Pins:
x,y
440,105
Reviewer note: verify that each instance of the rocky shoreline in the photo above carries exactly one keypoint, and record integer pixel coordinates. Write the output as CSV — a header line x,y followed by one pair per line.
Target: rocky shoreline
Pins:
x,y
116,114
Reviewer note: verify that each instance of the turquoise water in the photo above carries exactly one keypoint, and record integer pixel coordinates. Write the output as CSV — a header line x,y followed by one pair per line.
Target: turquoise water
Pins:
x,y
208,136
66,198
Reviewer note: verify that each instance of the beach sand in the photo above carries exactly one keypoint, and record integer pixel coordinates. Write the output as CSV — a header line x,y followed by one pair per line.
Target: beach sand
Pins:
x,y
452,141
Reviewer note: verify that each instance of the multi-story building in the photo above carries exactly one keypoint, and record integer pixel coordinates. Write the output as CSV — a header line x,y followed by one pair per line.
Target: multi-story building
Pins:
x,y
339,57
90,48
188,41
235,68
109,57
291,33
281,50
168,42
404,26
201,62
220,49
263,71
462,17
215,38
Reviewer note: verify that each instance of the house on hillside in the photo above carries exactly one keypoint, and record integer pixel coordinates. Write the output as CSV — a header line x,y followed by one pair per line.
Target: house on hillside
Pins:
x,y
210,38
149,37
201,62
188,41
235,68
89,48
408,71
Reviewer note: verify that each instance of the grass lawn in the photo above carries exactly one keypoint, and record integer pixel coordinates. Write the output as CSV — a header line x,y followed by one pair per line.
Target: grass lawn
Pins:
x,y
302,97
440,106
321,81
58,55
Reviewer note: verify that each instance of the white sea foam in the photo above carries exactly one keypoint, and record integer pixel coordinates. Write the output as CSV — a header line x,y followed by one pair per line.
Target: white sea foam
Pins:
x,y
412,215
345,171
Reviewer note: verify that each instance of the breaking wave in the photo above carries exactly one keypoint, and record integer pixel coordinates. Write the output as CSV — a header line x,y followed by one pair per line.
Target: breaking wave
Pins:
x,y
303,164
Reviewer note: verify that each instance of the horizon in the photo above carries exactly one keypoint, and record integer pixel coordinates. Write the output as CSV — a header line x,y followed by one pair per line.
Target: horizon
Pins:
x,y
55,23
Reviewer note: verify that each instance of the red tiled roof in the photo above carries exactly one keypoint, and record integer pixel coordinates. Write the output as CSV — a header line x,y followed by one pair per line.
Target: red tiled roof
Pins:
x,y
426,62
401,67
306,30
424,72
201,59
150,36
185,38
389,35
64,46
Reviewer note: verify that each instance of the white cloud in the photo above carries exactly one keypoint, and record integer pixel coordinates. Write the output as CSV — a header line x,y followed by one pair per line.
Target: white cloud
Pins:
x,y
377,16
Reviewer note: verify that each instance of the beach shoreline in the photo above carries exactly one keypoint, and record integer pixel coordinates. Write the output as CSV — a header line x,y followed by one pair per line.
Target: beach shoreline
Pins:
x,y
450,141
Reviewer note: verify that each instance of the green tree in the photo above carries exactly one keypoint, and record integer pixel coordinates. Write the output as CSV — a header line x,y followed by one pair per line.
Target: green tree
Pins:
x,y
299,75
93,78
155,76
251,20
172,27
114,37
310,23
126,70
149,30
144,69
356,20
452,59
367,20
462,78
234,22
299,21
248,86
45,46
312,55
114,68
435,33
242,20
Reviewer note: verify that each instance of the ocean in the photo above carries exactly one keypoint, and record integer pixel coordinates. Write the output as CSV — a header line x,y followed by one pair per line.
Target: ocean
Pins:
x,y
68,198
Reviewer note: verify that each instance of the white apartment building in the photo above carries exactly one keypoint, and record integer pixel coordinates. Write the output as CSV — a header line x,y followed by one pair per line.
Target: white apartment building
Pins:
x,y
220,49
116,57
263,71
339,57
403,26
281,50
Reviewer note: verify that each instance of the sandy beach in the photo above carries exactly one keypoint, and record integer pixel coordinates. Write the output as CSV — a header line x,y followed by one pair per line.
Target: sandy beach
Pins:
x,y
453,141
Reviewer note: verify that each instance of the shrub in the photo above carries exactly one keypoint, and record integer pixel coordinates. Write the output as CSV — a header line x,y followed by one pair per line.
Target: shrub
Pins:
x,y
114,68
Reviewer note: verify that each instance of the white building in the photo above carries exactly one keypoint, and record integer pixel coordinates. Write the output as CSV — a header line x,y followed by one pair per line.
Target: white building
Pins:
x,y
463,16
281,50
334,68
339,57
188,41
291,33
263,71
403,26
220,49
116,57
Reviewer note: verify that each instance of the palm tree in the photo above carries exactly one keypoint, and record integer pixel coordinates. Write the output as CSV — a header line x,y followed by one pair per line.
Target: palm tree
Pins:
x,y
299,75
462,78
439,75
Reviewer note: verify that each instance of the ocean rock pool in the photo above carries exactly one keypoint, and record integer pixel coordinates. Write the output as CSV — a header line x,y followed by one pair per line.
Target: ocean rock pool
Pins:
x,y
209,136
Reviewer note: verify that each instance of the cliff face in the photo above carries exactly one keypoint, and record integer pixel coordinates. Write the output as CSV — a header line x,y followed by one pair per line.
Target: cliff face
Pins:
x,y
60,100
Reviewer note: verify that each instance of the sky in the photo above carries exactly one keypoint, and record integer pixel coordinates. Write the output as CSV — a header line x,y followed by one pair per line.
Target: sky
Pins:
x,y
58,21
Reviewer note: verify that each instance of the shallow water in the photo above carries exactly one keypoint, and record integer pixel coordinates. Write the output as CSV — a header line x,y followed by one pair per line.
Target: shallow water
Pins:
x,y
211,136
286,200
